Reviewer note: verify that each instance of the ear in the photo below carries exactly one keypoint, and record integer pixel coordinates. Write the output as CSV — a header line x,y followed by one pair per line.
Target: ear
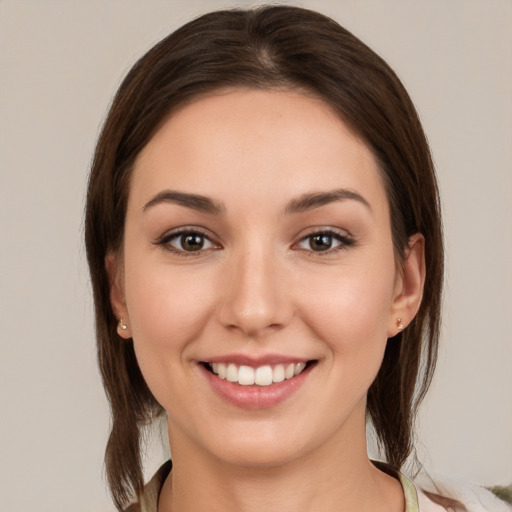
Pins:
x,y
409,286
117,300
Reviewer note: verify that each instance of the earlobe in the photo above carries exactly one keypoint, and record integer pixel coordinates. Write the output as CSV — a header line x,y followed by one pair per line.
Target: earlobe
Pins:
x,y
117,299
408,298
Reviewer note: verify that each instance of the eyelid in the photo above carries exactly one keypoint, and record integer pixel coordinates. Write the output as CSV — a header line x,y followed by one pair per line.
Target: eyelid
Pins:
x,y
166,238
344,238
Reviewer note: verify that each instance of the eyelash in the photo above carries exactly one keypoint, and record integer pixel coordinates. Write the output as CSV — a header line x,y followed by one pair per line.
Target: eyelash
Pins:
x,y
167,238
345,241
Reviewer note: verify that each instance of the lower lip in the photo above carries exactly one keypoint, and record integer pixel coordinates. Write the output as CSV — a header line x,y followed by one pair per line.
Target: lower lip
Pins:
x,y
256,397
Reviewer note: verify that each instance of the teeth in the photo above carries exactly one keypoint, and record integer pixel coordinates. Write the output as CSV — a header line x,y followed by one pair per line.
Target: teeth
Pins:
x,y
289,371
232,373
246,376
221,370
261,376
298,368
278,373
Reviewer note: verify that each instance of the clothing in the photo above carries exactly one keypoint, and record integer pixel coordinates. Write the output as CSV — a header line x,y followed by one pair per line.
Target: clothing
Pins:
x,y
149,500
423,496
457,496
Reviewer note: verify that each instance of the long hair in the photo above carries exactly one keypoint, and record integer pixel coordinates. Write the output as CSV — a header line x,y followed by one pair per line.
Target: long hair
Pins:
x,y
267,48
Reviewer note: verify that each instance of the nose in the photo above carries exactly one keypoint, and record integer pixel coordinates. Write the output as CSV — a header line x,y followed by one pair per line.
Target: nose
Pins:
x,y
255,299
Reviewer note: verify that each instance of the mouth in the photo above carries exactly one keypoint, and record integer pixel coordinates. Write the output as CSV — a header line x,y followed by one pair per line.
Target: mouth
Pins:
x,y
264,375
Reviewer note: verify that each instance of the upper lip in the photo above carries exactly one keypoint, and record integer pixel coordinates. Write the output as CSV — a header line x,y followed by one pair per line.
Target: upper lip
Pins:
x,y
256,361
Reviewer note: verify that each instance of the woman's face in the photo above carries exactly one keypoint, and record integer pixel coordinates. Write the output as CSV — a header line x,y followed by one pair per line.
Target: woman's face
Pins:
x,y
258,278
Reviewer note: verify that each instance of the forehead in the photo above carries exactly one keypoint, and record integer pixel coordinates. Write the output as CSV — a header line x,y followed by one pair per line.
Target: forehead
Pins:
x,y
261,143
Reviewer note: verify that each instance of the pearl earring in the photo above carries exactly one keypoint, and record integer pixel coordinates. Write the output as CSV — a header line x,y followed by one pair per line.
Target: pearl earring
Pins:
x,y
121,326
399,324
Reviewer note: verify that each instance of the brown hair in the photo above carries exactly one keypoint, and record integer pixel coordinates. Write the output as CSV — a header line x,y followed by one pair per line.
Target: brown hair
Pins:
x,y
268,47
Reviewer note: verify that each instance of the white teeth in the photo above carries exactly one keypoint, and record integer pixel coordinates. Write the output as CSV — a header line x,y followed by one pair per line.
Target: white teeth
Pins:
x,y
246,376
278,373
261,376
221,370
298,368
232,373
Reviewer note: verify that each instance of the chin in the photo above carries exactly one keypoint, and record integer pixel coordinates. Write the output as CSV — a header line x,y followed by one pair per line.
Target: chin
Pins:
x,y
267,444
259,455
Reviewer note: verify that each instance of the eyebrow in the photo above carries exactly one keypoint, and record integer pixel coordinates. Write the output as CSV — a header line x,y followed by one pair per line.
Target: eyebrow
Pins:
x,y
316,199
194,201
305,202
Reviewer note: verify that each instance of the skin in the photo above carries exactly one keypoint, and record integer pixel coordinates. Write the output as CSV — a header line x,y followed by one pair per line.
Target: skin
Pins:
x,y
259,287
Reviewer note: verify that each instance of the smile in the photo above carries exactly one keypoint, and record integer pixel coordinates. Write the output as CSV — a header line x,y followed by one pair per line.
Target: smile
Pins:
x,y
260,376
250,383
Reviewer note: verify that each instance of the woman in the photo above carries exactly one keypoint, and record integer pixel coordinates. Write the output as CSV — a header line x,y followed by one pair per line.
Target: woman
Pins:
x,y
264,238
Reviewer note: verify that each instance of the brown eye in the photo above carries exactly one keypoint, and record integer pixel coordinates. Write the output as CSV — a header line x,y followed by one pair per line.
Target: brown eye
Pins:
x,y
187,242
321,242
192,241
325,242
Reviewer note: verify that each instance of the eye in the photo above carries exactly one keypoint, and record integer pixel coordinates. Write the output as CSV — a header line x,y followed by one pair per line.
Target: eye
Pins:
x,y
324,241
187,242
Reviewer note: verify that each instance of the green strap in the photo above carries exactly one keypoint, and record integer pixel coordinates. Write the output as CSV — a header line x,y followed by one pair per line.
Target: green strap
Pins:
x,y
411,496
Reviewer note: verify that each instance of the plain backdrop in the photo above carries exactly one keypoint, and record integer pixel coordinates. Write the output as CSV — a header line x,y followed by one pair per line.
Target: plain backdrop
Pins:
x,y
60,63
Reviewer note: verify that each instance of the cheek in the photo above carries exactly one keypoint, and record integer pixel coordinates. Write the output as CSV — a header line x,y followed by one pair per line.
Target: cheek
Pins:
x,y
350,310
167,311
350,320
162,297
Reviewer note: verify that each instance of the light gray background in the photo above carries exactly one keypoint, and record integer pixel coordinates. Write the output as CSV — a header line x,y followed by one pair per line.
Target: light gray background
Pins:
x,y
60,64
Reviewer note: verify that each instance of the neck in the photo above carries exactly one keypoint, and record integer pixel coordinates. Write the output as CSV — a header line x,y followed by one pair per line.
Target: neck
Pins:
x,y
335,477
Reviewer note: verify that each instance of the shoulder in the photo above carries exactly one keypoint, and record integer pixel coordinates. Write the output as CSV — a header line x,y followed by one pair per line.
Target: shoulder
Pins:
x,y
442,494
148,502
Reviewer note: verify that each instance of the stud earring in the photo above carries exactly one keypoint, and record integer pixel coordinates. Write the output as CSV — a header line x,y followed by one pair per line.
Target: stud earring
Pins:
x,y
121,326
399,324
